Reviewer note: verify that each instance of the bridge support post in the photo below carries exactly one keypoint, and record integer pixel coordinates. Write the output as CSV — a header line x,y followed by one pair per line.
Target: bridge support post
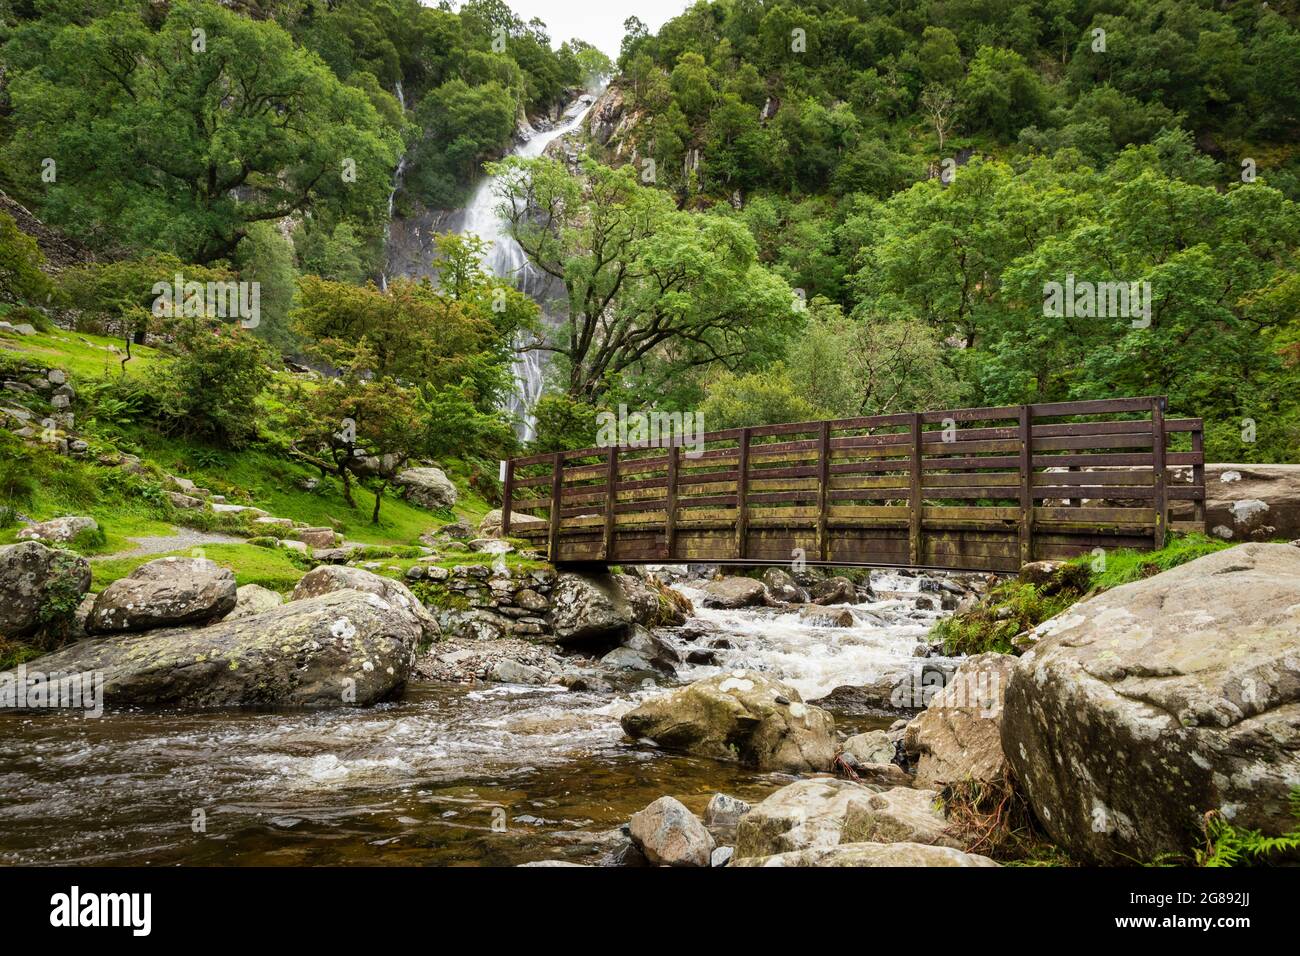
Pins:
x,y
557,497
1158,440
507,497
1026,484
611,490
670,522
742,496
1198,479
824,492
914,550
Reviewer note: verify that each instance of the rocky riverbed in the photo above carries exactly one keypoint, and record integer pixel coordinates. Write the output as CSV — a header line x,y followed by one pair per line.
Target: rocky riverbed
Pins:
x,y
669,716
500,749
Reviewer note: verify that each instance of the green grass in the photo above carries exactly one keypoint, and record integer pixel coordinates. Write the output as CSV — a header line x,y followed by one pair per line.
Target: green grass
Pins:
x,y
129,506
1125,565
276,569
1015,606
80,353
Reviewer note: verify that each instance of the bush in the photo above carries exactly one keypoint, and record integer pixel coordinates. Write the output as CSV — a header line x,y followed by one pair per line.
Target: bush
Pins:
x,y
1010,608
211,389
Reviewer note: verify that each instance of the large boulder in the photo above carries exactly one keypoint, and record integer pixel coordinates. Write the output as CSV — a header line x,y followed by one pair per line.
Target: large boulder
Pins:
x,y
1252,502
740,715
1146,706
252,600
58,530
783,587
332,577
871,854
805,814
587,607
164,593
490,526
670,835
342,649
428,487
959,736
897,815
31,577
836,590
734,592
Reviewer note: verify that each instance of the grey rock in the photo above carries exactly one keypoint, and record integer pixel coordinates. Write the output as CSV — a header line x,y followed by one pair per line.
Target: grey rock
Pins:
x,y
31,576
165,593
670,835
342,649
329,578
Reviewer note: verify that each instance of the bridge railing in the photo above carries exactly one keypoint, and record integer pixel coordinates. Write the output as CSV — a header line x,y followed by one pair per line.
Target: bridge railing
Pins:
x,y
972,488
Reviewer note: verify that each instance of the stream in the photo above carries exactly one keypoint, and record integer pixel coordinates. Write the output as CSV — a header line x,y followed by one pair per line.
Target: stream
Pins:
x,y
487,774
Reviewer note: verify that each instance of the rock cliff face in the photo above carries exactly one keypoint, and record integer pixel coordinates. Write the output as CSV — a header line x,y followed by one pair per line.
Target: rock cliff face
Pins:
x,y
1148,705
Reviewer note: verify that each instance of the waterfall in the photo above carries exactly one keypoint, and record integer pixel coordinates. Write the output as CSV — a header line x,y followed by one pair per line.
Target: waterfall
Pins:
x,y
392,193
410,251
503,257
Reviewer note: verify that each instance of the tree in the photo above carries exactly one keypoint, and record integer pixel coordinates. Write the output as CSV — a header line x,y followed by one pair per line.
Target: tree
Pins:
x,y
355,428
211,389
940,105
640,277
22,280
171,142
768,397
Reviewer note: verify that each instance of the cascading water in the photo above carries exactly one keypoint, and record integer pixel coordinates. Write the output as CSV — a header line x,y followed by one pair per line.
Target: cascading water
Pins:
x,y
397,184
504,258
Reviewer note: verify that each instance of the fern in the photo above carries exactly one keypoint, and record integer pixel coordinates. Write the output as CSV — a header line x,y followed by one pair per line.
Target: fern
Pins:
x,y
1226,845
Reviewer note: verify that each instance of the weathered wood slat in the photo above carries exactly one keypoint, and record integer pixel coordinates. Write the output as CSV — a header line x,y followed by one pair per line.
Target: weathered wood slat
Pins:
x,y
967,488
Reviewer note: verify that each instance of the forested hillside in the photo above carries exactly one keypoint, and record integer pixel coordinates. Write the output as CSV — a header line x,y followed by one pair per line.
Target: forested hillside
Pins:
x,y
918,172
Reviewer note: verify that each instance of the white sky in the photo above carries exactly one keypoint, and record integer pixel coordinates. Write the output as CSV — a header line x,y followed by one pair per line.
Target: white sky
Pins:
x,y
599,22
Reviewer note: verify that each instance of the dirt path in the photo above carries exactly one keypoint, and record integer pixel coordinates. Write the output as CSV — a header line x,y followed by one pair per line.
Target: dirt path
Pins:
x,y
162,544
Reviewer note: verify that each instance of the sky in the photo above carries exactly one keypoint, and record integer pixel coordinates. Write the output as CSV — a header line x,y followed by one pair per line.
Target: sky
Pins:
x,y
599,22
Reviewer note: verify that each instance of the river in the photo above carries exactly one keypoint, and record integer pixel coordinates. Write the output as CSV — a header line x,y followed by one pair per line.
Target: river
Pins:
x,y
491,774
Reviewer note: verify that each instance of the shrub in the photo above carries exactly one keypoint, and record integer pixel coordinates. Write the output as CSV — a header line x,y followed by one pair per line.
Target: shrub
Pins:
x,y
1226,845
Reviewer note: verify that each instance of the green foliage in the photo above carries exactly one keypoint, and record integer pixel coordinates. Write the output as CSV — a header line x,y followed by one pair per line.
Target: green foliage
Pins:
x,y
1226,845
755,398
184,160
266,257
563,422
1010,608
17,489
211,389
642,278
1125,565
21,261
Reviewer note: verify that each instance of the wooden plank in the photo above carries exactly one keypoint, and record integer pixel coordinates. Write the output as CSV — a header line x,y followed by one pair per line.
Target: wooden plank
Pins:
x,y
557,492
670,520
1097,479
742,496
1158,478
914,491
1026,493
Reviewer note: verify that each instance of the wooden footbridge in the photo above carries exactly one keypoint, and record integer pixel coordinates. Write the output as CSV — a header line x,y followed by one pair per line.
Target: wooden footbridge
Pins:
x,y
969,489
